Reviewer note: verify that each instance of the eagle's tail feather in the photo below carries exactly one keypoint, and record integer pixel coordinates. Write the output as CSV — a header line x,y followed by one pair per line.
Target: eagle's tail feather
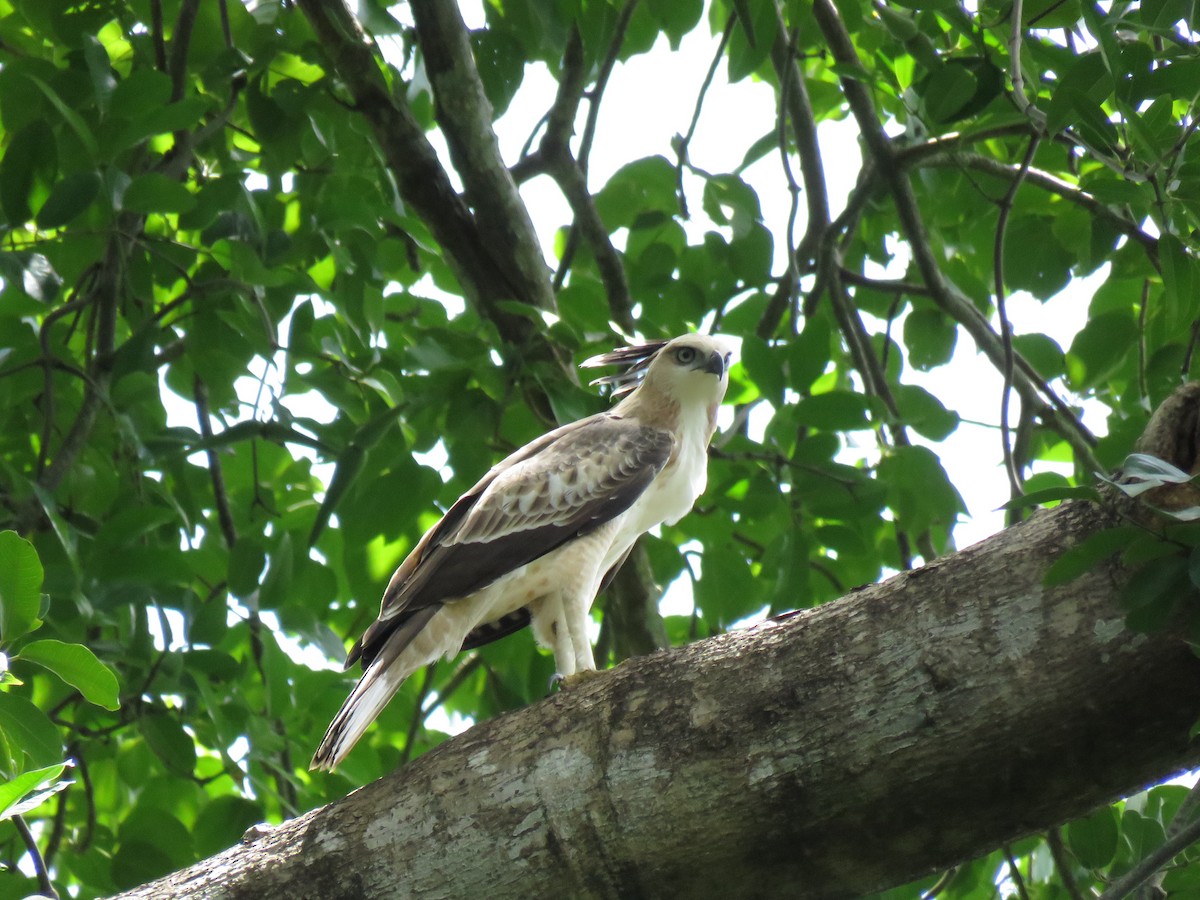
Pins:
x,y
378,684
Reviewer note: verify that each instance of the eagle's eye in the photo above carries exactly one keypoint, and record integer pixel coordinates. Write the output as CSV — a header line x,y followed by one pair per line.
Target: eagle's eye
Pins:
x,y
685,355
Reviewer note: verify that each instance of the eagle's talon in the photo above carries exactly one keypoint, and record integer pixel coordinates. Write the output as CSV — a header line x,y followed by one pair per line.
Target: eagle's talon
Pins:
x,y
561,682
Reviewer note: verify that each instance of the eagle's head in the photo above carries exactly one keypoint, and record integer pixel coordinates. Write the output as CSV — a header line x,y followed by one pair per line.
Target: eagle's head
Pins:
x,y
690,369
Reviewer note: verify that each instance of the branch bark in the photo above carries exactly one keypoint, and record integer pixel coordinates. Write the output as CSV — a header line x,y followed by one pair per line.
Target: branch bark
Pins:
x,y
465,115
830,753
487,277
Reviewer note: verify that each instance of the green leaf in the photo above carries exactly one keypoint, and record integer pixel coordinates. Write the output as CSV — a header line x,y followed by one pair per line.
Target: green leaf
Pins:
x,y
28,732
834,411
170,742
764,364
155,193
728,200
947,91
751,39
153,842
68,199
676,17
72,118
100,69
1094,840
1100,349
924,412
808,356
20,587
77,666
919,491
1042,352
26,154
1153,593
1034,258
29,789
246,561
930,336
1181,278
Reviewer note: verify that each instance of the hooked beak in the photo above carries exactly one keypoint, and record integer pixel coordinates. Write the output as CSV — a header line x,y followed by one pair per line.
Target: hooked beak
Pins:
x,y
716,363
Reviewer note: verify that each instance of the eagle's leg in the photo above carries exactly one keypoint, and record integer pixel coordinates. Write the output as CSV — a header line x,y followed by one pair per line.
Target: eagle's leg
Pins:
x,y
560,623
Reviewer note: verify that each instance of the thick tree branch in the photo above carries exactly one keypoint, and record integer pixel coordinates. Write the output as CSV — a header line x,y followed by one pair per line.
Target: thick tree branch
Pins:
x,y
486,276
465,116
832,752
181,40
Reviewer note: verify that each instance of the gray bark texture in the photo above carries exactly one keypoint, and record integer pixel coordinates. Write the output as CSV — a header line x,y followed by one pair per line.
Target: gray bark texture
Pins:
x,y
831,753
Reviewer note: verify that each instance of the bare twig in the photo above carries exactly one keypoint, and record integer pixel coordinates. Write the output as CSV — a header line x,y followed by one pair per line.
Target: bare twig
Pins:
x,y
220,497
418,716
1016,33
554,158
1185,812
156,35
104,294
883,285
1059,854
794,97
1014,872
1006,205
45,885
1151,863
1143,310
682,144
573,183
597,91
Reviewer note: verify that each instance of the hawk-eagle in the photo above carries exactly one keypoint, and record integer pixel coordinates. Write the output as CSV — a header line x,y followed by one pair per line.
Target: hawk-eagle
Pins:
x,y
546,529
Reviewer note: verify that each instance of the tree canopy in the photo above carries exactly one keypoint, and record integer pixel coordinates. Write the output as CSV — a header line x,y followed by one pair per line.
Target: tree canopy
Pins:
x,y
272,298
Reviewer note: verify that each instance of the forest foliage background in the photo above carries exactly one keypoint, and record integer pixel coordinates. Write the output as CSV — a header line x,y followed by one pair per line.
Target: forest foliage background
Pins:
x,y
256,330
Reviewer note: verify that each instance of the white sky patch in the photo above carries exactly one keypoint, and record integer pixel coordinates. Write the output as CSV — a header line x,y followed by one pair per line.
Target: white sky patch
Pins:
x,y
448,723
436,458
160,618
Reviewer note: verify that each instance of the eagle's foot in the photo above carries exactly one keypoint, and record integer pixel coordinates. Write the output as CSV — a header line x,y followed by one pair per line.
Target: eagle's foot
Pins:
x,y
558,681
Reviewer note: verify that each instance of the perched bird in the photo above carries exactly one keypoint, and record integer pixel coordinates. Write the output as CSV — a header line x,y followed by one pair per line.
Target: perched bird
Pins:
x,y
545,530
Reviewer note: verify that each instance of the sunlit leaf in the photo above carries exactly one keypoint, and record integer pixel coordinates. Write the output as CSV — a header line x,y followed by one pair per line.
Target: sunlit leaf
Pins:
x,y
77,666
20,587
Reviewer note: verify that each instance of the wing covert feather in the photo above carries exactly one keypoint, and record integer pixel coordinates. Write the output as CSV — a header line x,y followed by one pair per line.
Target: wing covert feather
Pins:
x,y
569,481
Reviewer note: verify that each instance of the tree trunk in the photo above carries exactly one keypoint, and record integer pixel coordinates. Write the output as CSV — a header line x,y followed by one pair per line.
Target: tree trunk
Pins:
x,y
831,753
